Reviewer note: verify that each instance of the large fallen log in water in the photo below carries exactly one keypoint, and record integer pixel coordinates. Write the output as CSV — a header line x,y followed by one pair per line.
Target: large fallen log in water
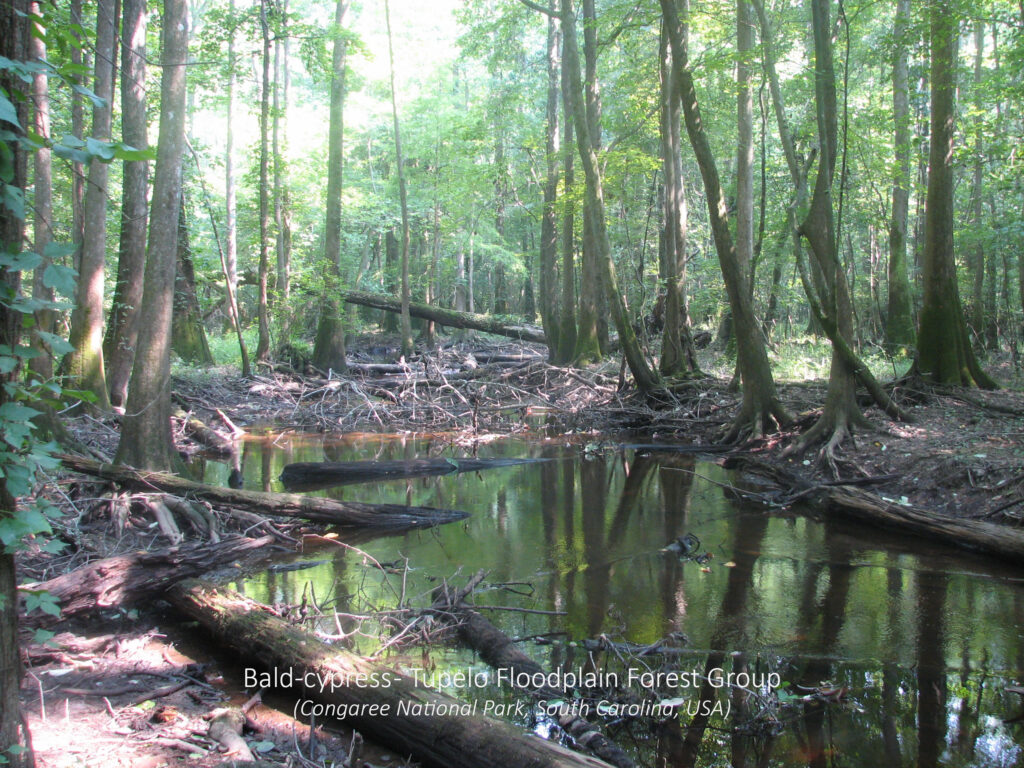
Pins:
x,y
309,475
380,703
345,513
449,317
125,579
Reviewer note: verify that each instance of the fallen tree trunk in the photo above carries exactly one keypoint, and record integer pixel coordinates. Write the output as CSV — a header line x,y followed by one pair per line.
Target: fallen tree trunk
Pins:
x,y
309,475
344,513
125,579
205,434
382,704
859,504
449,317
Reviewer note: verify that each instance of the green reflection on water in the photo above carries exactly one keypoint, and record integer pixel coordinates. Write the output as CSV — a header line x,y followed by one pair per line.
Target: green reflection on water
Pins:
x,y
891,651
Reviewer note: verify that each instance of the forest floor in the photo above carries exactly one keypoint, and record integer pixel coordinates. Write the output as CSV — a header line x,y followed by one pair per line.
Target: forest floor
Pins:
x,y
89,701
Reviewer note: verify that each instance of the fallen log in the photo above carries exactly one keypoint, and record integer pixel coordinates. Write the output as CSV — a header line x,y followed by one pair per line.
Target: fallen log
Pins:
x,y
343,513
856,503
310,475
205,434
449,317
125,579
380,703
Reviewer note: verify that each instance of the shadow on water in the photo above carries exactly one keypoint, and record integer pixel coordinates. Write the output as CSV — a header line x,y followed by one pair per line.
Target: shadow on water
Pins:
x,y
855,647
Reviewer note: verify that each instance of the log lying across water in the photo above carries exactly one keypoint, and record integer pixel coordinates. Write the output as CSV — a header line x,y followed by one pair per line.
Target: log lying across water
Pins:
x,y
344,513
324,474
449,317
125,579
380,703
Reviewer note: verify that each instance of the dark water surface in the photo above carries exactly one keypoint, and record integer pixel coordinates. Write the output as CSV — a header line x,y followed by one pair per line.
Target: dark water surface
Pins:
x,y
861,648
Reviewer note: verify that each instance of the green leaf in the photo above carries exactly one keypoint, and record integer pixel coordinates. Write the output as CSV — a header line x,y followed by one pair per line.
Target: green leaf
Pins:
x,y
57,250
14,200
20,262
96,100
61,279
57,344
17,412
69,153
130,154
103,150
41,600
7,111
8,363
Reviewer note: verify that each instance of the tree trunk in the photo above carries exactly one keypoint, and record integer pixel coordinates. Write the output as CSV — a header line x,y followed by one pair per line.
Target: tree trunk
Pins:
x,y
448,317
85,364
78,131
230,192
188,336
122,327
282,225
944,352
392,269
329,349
263,344
760,407
451,741
403,199
42,219
744,142
677,353
549,309
899,322
647,381
567,315
14,35
146,440
321,510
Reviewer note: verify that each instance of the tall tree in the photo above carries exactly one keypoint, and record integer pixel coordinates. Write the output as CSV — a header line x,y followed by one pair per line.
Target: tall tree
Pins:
x,y
188,336
403,197
122,326
85,363
329,348
760,408
230,191
899,320
262,312
647,380
146,440
549,313
42,183
944,351
567,313
282,214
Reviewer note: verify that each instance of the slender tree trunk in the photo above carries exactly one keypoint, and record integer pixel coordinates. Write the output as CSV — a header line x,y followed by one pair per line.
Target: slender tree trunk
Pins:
x,y
977,314
567,315
647,380
549,222
78,131
263,343
282,215
42,219
230,192
329,349
744,140
392,276
760,408
407,347
588,345
146,440
899,320
85,364
122,328
944,353
14,36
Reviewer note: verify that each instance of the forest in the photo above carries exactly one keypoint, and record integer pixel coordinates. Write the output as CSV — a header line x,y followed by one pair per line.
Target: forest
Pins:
x,y
662,356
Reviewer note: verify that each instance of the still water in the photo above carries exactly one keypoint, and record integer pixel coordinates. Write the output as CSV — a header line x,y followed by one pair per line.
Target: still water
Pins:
x,y
860,648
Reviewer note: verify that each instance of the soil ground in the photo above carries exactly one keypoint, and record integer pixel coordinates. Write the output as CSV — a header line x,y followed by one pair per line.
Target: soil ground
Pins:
x,y
961,455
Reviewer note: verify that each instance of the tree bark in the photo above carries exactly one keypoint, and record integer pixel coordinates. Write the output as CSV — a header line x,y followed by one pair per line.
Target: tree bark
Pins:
x,y
549,308
899,321
329,349
448,317
122,325
567,314
14,35
760,408
282,215
128,579
403,200
452,741
188,335
262,353
146,440
944,352
85,364
322,510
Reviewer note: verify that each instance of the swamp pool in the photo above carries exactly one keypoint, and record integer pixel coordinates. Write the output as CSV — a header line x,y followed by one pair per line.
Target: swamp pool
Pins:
x,y
849,646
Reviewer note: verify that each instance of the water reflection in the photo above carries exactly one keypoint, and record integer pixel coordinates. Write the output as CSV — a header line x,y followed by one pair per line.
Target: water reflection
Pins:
x,y
889,651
